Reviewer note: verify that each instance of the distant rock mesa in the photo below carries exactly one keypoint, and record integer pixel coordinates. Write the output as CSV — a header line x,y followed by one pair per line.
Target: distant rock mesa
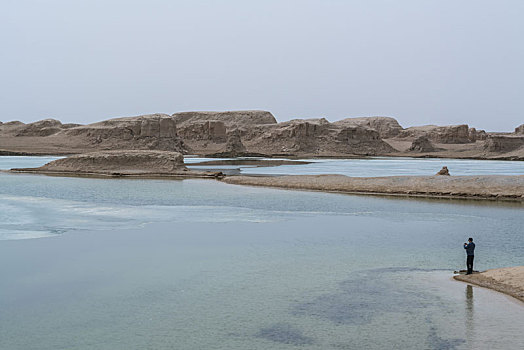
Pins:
x,y
257,133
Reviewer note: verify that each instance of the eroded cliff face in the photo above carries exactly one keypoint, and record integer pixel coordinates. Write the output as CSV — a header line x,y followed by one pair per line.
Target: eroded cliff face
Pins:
x,y
508,145
210,130
234,145
147,132
245,133
258,133
44,127
231,119
312,137
452,134
210,133
477,135
387,127
422,145
292,137
503,143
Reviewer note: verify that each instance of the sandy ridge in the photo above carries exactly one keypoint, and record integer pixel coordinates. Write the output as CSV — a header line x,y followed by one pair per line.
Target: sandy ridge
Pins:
x,y
499,187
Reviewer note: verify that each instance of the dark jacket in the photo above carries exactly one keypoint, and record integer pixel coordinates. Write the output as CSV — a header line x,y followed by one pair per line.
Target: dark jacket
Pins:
x,y
470,248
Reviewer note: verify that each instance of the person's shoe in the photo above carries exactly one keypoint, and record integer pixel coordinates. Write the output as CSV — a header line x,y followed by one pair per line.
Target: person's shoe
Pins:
x,y
468,273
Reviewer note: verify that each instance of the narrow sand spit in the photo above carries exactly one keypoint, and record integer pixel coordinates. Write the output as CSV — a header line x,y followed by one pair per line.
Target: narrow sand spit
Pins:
x,y
499,187
508,280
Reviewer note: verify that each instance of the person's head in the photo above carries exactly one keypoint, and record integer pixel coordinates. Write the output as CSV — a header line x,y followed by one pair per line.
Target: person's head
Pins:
x,y
470,239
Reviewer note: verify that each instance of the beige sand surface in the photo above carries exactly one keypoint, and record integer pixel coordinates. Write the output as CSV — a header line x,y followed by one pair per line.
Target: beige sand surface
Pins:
x,y
481,187
130,163
508,280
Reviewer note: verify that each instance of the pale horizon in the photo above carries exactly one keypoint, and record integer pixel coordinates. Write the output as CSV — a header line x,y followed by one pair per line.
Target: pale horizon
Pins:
x,y
431,62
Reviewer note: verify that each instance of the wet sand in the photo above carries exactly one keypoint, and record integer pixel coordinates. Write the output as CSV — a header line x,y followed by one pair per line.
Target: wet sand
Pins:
x,y
508,280
494,187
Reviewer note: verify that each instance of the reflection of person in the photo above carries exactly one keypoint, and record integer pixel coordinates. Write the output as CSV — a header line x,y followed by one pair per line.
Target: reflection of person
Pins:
x,y
470,251
470,317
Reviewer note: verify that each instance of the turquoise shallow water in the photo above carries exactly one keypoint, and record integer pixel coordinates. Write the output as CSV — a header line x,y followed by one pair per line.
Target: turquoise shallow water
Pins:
x,y
197,264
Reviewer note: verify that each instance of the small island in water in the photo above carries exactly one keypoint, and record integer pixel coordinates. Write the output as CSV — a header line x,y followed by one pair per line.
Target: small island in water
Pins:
x,y
129,163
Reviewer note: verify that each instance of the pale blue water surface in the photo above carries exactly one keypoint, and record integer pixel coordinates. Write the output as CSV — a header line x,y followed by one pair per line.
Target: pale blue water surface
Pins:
x,y
199,264
382,166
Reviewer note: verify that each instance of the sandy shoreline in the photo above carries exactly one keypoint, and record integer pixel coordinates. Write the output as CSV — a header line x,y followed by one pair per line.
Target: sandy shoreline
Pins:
x,y
494,187
127,163
485,187
125,174
508,280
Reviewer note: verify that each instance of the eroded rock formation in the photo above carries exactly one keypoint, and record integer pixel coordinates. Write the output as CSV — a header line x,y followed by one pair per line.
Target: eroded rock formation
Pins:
x,y
422,145
387,127
444,171
440,134
477,135
229,118
234,146
503,143
210,130
44,127
258,133
314,137
148,132
299,136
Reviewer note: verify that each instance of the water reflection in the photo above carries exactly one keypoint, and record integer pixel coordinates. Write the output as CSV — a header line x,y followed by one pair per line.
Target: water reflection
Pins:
x,y
469,312
382,297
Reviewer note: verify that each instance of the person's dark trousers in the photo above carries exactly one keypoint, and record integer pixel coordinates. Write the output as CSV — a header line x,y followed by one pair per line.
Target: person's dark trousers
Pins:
x,y
469,263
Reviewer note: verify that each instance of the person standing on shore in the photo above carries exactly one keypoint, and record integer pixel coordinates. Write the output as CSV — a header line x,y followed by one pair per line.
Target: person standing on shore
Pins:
x,y
470,251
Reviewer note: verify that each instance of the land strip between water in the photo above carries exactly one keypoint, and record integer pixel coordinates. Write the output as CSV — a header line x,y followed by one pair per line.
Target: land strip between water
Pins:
x,y
140,163
494,187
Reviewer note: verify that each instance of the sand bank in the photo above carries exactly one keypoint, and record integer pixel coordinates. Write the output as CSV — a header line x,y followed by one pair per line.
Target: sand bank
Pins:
x,y
130,163
508,280
497,187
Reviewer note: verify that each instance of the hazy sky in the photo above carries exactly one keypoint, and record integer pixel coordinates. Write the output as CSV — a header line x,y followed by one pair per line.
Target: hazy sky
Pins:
x,y
439,62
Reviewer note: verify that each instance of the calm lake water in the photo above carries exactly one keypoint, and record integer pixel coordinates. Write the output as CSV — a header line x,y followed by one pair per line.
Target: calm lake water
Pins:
x,y
382,166
198,264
